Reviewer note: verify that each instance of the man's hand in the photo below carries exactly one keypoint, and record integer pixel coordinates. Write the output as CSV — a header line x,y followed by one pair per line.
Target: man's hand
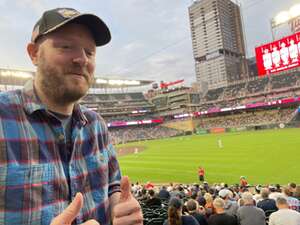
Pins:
x,y
70,213
127,211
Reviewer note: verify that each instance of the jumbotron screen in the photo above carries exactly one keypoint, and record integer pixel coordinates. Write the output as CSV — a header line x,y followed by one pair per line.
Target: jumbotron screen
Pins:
x,y
279,55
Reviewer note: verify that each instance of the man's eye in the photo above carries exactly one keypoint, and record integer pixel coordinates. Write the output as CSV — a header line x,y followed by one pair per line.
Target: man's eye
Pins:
x,y
89,53
66,47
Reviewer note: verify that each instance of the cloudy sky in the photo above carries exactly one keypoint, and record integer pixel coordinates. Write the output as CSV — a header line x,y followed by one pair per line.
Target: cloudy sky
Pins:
x,y
150,38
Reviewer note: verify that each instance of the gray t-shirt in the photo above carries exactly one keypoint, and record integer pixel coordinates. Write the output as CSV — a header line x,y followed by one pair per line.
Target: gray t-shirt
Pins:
x,y
285,217
251,215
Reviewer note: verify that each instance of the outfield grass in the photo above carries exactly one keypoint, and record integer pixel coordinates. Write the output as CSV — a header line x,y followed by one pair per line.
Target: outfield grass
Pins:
x,y
264,157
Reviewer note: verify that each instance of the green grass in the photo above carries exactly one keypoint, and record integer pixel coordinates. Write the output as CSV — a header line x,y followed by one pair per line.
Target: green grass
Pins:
x,y
264,157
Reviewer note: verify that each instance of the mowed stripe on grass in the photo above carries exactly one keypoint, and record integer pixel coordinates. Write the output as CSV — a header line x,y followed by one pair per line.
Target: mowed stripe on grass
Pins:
x,y
264,157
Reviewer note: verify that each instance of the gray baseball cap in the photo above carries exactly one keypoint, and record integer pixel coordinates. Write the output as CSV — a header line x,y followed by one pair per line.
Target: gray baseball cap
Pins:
x,y
56,18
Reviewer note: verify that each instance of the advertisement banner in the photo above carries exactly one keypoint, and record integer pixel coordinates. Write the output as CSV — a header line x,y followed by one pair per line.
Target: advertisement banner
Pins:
x,y
201,131
217,130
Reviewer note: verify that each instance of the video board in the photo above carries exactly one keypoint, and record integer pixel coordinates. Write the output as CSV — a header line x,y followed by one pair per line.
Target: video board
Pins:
x,y
279,55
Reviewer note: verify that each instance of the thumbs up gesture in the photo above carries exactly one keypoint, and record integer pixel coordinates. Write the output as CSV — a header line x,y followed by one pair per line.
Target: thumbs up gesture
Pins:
x,y
127,211
70,213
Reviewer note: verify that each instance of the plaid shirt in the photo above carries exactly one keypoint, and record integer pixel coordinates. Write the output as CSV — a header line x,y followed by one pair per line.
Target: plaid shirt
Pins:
x,y
33,185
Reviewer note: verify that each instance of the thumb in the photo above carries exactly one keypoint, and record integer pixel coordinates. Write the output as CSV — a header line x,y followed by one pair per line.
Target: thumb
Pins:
x,y
125,189
70,213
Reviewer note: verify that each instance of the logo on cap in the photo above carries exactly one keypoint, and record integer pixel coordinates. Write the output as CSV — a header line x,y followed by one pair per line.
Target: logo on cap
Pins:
x,y
68,13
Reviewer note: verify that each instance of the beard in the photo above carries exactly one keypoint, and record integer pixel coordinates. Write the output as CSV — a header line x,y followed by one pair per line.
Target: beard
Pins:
x,y
56,84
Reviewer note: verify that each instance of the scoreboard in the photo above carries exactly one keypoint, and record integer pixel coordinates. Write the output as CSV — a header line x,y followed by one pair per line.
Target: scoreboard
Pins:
x,y
280,55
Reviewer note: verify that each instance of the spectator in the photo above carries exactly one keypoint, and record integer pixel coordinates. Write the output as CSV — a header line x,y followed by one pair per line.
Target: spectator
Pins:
x,y
231,206
209,204
293,203
175,216
274,192
292,188
163,193
243,182
249,214
267,204
284,216
153,200
221,218
297,192
193,209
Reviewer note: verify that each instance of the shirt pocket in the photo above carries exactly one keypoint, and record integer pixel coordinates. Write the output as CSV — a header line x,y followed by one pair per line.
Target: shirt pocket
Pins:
x,y
24,189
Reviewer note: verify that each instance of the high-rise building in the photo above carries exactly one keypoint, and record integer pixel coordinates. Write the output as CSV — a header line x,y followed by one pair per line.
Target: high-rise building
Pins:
x,y
218,42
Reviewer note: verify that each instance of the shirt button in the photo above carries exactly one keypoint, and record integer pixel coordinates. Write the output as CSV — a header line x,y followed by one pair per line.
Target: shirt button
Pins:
x,y
61,137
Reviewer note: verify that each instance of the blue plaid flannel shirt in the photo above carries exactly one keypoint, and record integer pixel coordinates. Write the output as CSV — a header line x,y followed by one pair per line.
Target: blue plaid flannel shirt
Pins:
x,y
33,185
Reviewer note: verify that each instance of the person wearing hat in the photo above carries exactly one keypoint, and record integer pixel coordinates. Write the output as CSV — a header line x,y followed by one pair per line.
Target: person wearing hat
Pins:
x,y
175,214
58,165
230,206
243,182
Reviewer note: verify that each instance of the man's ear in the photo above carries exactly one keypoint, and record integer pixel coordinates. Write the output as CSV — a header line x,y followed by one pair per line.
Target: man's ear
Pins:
x,y
32,50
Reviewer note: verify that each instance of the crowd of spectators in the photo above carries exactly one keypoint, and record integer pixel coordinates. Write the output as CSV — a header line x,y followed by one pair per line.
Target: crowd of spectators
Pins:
x,y
218,204
252,87
284,81
253,118
139,133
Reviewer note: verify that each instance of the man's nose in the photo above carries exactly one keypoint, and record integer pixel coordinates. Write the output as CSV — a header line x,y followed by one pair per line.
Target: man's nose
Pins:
x,y
81,58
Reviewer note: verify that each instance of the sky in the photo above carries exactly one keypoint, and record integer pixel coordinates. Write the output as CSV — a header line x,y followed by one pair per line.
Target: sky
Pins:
x,y
150,38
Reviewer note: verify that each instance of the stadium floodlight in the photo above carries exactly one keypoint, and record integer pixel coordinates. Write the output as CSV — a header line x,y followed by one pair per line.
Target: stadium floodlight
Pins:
x,y
295,11
132,82
124,82
281,18
118,82
101,81
18,74
286,16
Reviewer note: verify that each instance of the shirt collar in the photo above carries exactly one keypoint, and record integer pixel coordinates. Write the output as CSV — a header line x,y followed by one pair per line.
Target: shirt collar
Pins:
x,y
32,103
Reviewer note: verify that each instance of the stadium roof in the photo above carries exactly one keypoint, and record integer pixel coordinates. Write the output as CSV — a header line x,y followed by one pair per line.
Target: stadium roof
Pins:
x,y
19,77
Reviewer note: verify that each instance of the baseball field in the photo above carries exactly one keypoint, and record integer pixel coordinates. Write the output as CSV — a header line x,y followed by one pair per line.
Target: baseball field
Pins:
x,y
264,157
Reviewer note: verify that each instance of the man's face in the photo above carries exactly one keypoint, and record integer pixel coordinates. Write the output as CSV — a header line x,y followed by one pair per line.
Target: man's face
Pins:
x,y
66,63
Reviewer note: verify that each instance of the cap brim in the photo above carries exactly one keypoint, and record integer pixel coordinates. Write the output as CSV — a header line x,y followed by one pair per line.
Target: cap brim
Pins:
x,y
97,27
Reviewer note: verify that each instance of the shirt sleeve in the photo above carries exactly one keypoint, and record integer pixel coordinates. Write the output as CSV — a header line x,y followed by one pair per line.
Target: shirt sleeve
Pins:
x,y
113,164
114,171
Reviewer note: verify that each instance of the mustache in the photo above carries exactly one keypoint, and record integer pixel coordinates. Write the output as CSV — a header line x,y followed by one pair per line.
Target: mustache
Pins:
x,y
80,71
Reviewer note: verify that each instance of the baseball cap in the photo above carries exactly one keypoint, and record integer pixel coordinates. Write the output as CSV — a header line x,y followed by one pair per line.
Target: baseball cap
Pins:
x,y
223,193
56,18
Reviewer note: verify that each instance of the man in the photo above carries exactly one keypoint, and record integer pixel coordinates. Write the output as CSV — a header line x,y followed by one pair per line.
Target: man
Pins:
x,y
293,203
267,204
152,200
284,216
249,214
221,218
53,150
201,173
163,193
193,209
230,206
